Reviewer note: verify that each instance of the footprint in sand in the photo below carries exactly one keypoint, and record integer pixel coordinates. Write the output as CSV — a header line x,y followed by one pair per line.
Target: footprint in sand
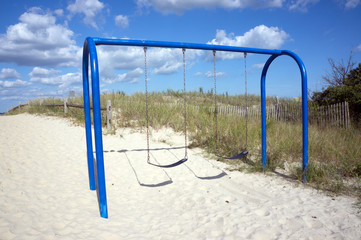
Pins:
x,y
262,212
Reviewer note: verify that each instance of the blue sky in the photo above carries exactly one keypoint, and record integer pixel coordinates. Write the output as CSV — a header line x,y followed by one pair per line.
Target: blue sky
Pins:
x,y
41,44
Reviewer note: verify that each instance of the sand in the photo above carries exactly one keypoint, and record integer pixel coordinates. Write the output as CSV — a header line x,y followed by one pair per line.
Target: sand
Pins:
x,y
44,191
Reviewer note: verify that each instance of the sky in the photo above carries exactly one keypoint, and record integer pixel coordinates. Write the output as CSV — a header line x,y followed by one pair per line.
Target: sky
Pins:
x,y
41,44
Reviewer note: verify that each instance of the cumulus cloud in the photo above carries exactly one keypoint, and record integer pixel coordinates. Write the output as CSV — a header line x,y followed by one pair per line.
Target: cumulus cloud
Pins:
x,y
210,74
179,6
258,37
9,73
168,68
14,84
121,21
43,75
302,5
159,61
258,66
130,60
352,3
112,59
131,76
52,77
90,8
358,48
38,40
59,12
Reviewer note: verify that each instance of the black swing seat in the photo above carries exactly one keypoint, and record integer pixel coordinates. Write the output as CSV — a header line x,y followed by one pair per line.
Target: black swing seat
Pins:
x,y
237,156
169,165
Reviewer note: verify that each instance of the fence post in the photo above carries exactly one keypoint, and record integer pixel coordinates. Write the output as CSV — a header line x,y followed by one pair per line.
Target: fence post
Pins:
x,y
65,105
327,119
109,114
334,115
348,115
339,114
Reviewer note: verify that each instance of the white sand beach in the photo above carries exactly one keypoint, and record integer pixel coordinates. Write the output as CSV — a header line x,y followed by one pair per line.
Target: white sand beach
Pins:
x,y
44,191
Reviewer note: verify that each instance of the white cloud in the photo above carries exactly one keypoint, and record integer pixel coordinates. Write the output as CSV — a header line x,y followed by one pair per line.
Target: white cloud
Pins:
x,y
167,68
14,84
38,40
59,12
9,73
2,93
210,74
130,60
352,3
113,58
301,5
122,21
52,77
159,61
119,57
179,6
258,37
131,77
258,66
70,79
90,8
168,61
164,58
39,72
358,48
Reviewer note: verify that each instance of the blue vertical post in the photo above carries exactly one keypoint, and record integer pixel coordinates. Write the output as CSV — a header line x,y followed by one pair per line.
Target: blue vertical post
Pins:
x,y
88,133
263,110
304,110
98,128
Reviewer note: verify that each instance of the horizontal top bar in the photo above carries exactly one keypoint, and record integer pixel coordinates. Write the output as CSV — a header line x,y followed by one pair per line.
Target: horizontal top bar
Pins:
x,y
146,43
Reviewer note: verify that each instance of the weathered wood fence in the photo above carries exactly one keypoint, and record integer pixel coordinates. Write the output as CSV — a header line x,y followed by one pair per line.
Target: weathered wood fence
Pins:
x,y
67,105
332,115
336,115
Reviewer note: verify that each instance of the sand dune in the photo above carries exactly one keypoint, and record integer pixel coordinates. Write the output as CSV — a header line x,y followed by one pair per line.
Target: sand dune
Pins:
x,y
44,191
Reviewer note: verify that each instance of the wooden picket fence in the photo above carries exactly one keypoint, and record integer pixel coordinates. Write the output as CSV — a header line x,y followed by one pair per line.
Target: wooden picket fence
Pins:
x,y
336,115
332,115
67,105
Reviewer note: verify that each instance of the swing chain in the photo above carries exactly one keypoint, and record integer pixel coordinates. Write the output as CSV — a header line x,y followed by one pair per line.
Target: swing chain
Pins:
x,y
185,104
146,101
215,99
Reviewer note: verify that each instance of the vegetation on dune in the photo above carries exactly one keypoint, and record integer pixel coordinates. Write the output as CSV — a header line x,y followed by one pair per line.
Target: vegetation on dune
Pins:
x,y
343,84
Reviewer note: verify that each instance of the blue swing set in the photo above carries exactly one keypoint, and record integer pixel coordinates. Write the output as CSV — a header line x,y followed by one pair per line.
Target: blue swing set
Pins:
x,y
96,165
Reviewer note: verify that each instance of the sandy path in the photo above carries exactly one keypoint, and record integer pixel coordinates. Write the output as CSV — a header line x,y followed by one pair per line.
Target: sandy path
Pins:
x,y
44,192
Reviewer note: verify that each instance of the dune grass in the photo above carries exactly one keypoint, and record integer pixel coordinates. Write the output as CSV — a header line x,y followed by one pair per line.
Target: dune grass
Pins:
x,y
334,153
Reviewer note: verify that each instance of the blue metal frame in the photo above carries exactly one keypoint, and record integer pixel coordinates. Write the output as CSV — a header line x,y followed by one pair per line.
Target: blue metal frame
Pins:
x,y
304,110
97,174
90,49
